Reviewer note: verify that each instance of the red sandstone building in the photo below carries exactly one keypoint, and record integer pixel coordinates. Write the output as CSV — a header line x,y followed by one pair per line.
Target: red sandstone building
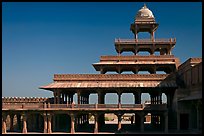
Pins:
x,y
181,83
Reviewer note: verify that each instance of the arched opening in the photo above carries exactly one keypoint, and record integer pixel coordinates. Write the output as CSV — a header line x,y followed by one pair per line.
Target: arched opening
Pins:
x,y
127,53
111,98
82,122
143,72
61,123
93,98
143,53
111,72
160,72
34,123
156,53
111,118
127,98
127,72
145,98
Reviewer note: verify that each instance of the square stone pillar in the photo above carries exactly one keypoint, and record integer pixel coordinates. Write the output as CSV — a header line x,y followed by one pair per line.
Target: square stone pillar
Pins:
x,y
4,123
119,121
141,122
78,96
24,124
49,127
45,122
96,123
72,123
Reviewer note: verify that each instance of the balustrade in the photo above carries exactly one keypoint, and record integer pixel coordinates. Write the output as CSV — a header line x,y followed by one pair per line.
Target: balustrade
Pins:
x,y
171,40
83,106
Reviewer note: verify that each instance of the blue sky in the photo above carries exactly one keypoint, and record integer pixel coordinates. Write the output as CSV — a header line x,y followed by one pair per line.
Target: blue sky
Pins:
x,y
43,39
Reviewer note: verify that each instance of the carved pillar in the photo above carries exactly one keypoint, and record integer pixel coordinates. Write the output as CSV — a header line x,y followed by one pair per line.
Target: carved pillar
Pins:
x,y
119,97
55,99
96,123
102,71
136,37
78,96
142,122
11,122
58,97
137,96
4,123
49,126
99,97
102,98
24,123
160,98
65,97
119,121
45,122
72,123
72,99
151,98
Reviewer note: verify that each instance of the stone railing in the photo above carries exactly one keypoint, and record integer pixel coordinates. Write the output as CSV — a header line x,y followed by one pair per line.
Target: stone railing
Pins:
x,y
107,77
166,58
40,106
145,41
24,99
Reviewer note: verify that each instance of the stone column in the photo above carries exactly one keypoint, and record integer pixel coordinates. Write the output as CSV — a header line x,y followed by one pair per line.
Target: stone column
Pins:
x,y
55,99
11,122
58,97
65,96
45,122
4,123
96,123
72,123
136,32
24,123
160,98
78,96
119,97
166,122
71,96
119,121
49,126
137,96
99,97
141,122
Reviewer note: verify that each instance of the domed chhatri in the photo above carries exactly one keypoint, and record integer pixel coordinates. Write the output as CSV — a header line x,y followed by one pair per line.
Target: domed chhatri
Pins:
x,y
144,22
144,13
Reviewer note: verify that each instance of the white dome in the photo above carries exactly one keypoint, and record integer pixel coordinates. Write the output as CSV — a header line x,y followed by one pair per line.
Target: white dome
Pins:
x,y
144,12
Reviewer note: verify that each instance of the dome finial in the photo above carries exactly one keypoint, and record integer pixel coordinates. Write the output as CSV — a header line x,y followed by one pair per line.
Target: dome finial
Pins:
x,y
145,5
